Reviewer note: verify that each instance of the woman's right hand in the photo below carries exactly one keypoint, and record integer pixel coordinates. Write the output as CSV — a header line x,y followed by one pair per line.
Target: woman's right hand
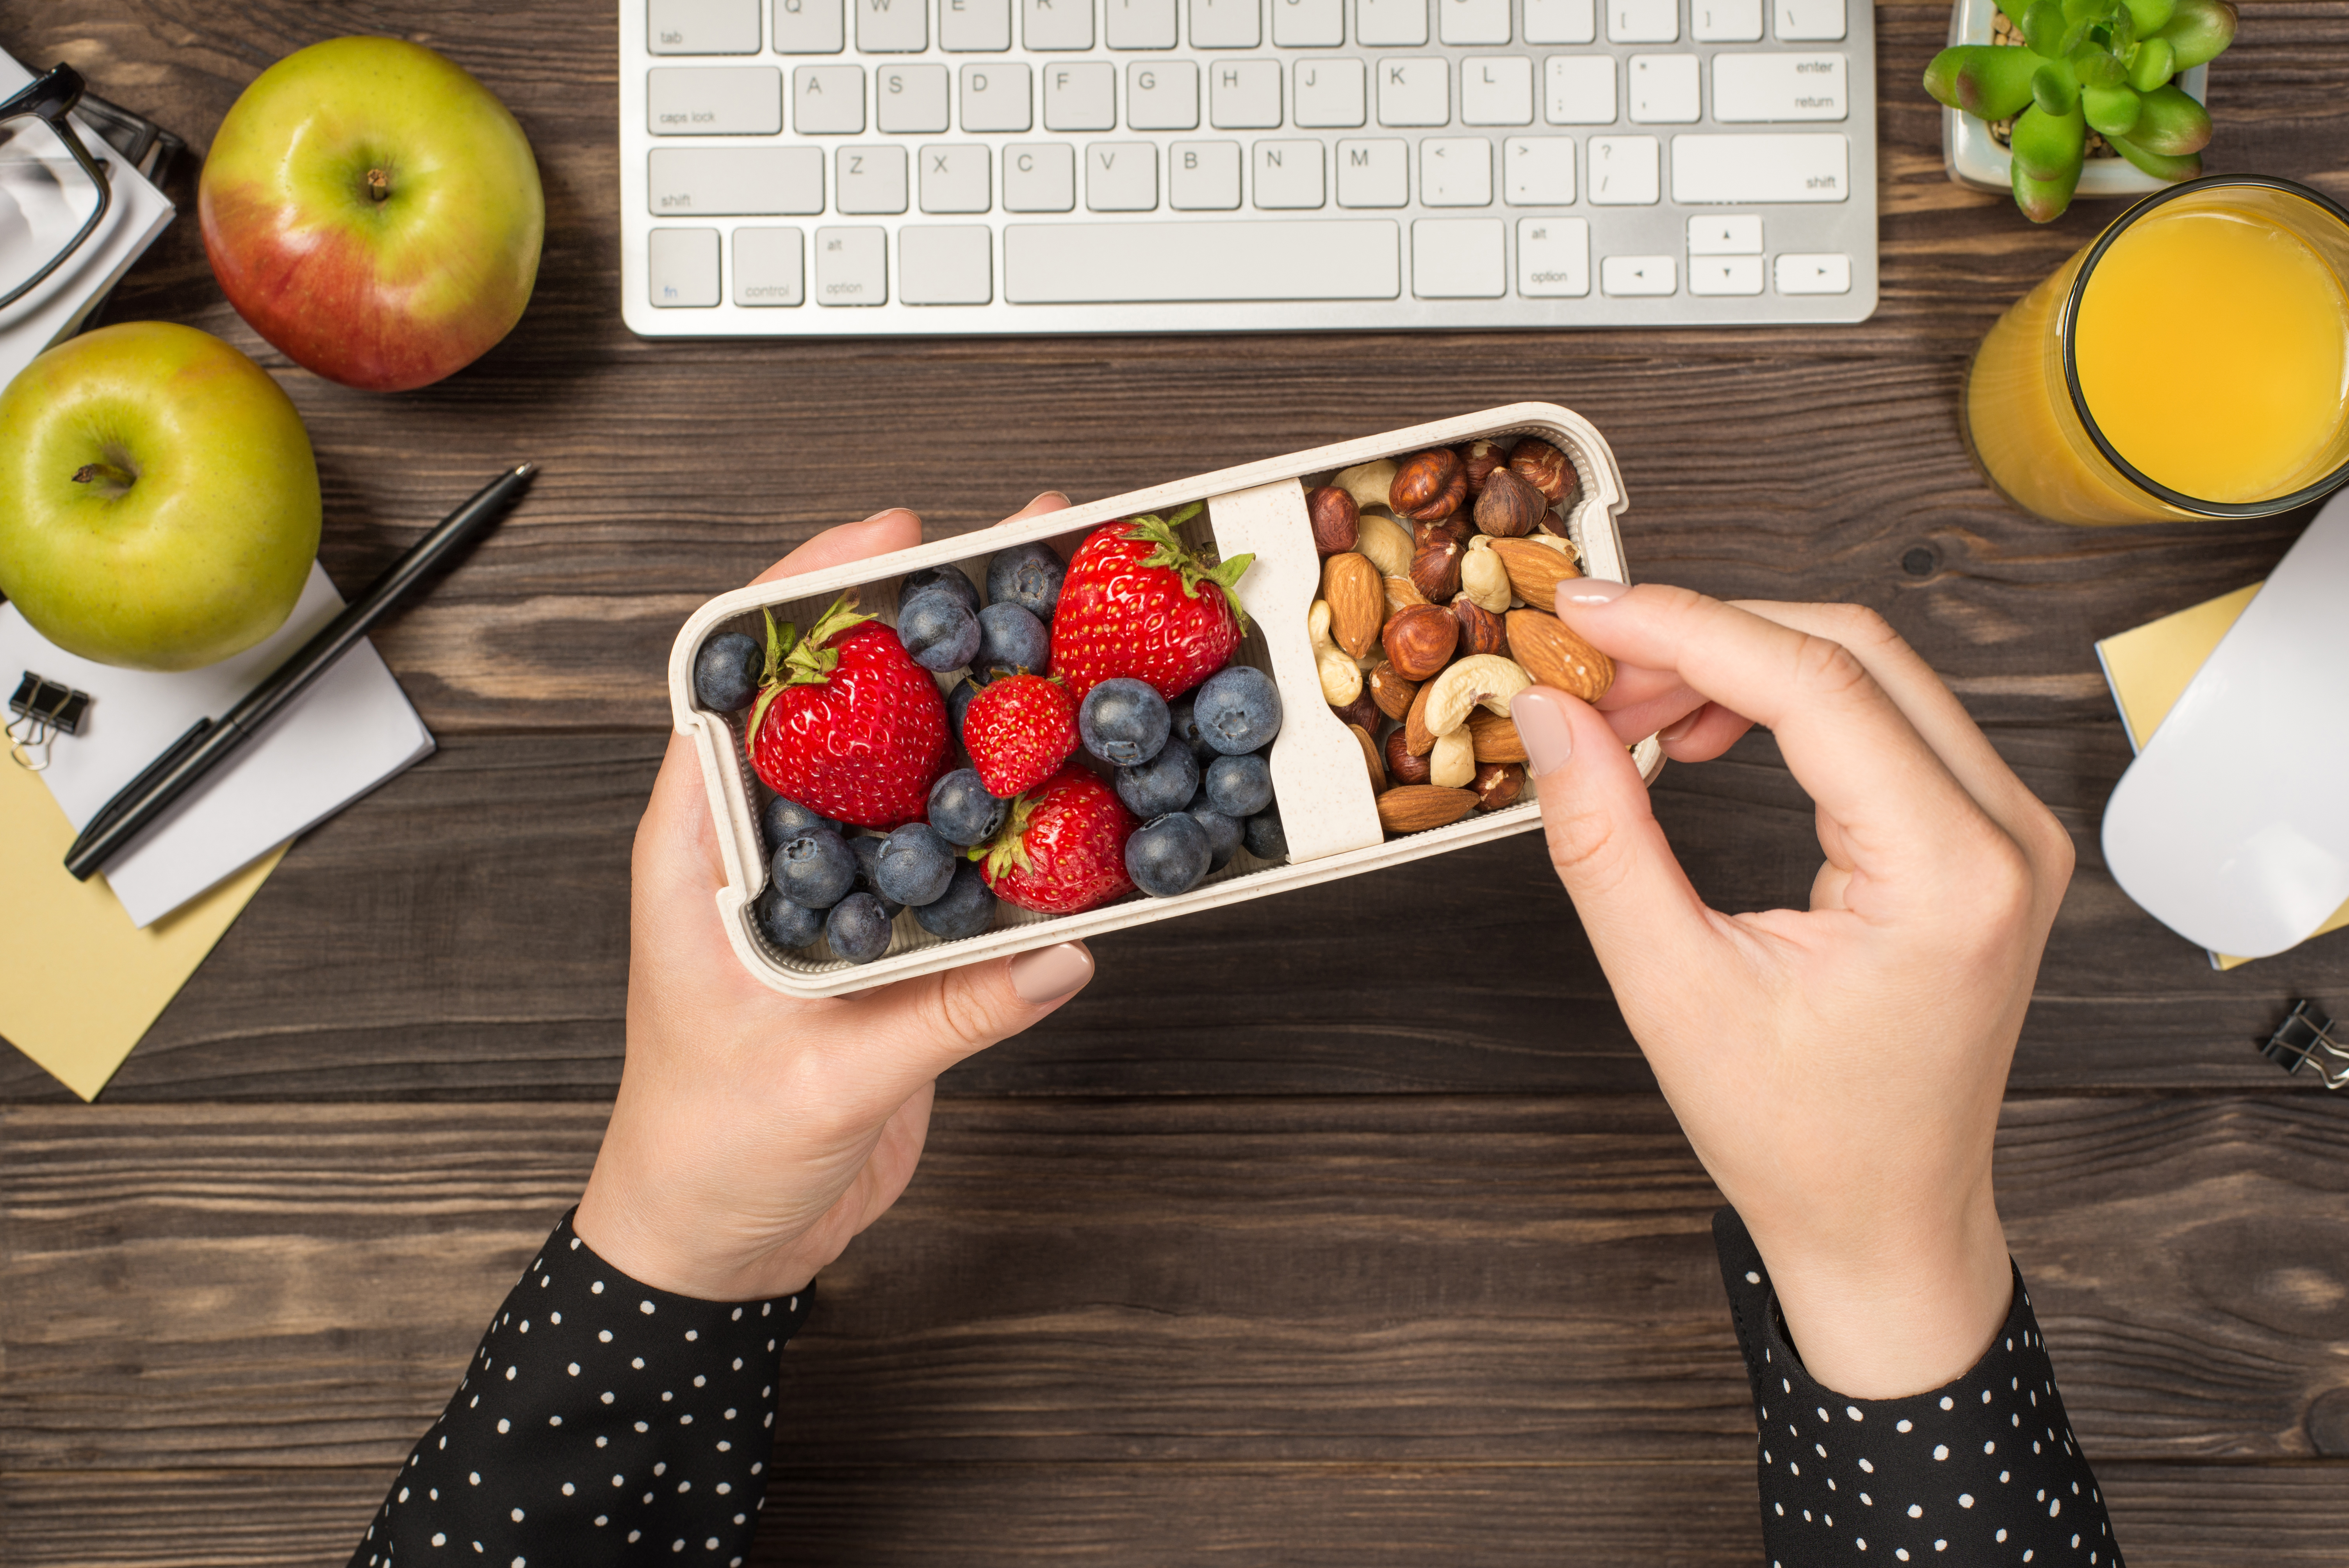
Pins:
x,y
1837,1068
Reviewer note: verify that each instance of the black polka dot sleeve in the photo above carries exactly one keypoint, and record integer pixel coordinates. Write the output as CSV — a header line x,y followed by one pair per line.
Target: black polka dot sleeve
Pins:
x,y
602,1421
1983,1471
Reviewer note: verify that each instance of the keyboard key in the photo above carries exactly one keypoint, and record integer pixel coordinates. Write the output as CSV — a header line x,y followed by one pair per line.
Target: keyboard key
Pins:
x,y
1745,170
1725,21
1415,92
1081,96
1040,177
1227,24
869,180
1809,20
1664,89
995,96
1472,21
1553,258
975,26
1579,89
1329,93
1140,24
1287,175
1057,24
1458,258
1623,172
1644,21
1814,274
735,180
1496,89
768,269
1537,171
945,263
891,27
682,266
809,26
954,178
910,101
827,100
1714,276
1162,96
1455,171
1753,87
1738,234
1244,95
701,27
1122,176
1309,24
1203,175
851,266
730,100
1639,274
1178,263
1374,173
1562,21
1391,23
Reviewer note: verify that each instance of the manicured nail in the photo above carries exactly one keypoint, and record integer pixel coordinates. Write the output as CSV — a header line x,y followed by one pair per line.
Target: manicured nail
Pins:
x,y
1680,725
1543,726
1050,973
1589,593
1057,495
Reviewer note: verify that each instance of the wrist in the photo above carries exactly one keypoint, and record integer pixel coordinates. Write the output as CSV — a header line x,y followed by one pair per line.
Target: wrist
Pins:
x,y
682,1254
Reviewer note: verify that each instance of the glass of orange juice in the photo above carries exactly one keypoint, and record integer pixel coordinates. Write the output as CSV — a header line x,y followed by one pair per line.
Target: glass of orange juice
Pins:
x,y
2193,362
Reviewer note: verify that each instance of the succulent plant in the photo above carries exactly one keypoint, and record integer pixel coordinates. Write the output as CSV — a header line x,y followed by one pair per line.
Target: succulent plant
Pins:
x,y
2104,65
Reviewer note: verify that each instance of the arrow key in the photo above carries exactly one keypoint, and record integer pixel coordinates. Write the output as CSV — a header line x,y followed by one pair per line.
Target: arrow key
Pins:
x,y
1639,275
1828,272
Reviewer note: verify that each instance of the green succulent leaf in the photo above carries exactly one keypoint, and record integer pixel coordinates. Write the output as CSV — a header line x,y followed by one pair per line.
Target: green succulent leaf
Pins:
x,y
1987,79
2152,64
2043,201
2080,13
2052,88
2120,33
2199,31
2048,147
2073,36
2100,69
2150,16
2173,125
2155,163
2111,110
2043,27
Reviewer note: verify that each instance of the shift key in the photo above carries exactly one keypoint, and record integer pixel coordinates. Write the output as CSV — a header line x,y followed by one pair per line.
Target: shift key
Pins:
x,y
734,182
1744,170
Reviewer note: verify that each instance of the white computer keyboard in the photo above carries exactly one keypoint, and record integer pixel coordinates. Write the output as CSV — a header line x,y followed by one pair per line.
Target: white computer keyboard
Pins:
x,y
861,167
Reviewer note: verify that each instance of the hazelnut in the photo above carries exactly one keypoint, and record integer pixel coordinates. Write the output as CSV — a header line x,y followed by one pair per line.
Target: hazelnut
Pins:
x,y
1391,692
1498,784
1545,468
1480,458
1402,767
1361,711
1435,564
1428,485
1481,631
1461,525
1337,520
1418,640
1509,507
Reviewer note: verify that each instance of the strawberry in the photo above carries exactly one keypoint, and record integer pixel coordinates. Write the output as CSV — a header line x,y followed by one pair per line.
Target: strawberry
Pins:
x,y
846,723
1061,851
1018,730
1133,604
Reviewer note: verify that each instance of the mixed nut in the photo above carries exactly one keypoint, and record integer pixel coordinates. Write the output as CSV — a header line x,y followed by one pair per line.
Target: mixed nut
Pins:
x,y
1439,573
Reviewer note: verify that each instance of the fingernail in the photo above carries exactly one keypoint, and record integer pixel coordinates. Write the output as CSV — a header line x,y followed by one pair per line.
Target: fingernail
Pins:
x,y
1050,973
1050,495
1543,726
1680,725
1589,593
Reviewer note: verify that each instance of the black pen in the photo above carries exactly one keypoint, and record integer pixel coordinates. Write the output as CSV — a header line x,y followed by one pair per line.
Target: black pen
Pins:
x,y
210,741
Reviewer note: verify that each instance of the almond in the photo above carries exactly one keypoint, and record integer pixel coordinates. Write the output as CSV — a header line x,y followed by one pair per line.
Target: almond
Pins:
x,y
1358,601
1371,760
1417,738
1415,807
1401,594
1497,738
1555,656
1534,569
1392,694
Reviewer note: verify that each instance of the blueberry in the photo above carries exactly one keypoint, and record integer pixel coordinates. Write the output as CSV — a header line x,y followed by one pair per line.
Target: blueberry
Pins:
x,y
1123,721
1223,835
787,924
1011,641
937,630
726,672
858,928
1028,575
1183,720
1265,839
959,704
1165,783
867,852
815,867
785,820
1238,710
962,811
1238,786
1167,855
965,909
935,577
914,866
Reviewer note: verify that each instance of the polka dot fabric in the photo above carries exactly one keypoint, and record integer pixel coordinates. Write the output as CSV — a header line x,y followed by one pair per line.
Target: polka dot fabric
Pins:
x,y
1983,1471
602,1421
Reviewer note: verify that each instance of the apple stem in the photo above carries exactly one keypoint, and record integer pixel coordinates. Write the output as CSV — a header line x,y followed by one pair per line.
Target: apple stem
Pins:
x,y
115,477
379,185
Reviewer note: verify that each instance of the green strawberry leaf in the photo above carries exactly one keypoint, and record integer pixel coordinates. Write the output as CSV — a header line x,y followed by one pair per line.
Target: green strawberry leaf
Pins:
x,y
1007,851
1160,531
813,662
779,640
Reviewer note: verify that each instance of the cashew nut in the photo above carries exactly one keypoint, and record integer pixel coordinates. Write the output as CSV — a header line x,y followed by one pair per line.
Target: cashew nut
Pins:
x,y
1480,678
1341,678
1387,543
1368,483
1485,579
1453,763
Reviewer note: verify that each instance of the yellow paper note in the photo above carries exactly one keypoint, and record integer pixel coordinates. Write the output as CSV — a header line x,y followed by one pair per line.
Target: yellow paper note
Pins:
x,y
78,983
2149,669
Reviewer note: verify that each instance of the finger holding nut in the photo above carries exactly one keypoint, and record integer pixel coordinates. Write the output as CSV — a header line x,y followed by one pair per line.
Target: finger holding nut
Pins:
x,y
1337,520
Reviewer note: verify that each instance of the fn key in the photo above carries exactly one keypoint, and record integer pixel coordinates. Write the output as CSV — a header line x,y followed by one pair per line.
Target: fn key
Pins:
x,y
682,266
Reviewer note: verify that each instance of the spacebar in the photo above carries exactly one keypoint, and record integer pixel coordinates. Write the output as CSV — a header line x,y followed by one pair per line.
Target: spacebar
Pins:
x,y
1172,263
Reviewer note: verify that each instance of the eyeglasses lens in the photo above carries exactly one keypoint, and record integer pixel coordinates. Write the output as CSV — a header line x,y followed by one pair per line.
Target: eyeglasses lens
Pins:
x,y
46,197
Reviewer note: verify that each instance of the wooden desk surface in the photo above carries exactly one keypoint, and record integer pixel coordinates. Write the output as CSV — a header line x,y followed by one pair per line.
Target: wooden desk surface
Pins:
x,y
1253,1251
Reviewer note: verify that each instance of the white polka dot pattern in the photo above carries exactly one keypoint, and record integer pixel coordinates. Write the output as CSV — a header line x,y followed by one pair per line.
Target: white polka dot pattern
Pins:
x,y
586,1387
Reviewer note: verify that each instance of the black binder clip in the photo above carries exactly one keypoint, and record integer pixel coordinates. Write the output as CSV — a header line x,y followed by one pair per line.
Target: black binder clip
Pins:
x,y
40,712
2305,1038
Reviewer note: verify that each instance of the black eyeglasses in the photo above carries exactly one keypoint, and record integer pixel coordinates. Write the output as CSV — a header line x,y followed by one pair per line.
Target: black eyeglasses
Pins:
x,y
46,175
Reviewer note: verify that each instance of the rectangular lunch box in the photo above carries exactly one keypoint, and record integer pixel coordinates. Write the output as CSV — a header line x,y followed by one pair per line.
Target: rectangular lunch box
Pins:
x,y
1321,786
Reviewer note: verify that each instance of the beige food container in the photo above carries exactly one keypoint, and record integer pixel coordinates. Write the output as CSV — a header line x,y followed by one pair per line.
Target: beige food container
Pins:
x,y
1321,787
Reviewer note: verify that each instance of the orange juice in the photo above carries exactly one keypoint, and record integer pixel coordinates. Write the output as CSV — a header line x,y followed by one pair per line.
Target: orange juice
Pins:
x,y
2208,348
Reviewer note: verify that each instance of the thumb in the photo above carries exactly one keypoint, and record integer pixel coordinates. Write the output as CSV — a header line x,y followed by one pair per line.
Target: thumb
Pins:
x,y
934,1021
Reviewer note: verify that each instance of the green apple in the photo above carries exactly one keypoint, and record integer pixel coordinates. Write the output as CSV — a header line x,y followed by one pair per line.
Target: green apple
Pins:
x,y
159,501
